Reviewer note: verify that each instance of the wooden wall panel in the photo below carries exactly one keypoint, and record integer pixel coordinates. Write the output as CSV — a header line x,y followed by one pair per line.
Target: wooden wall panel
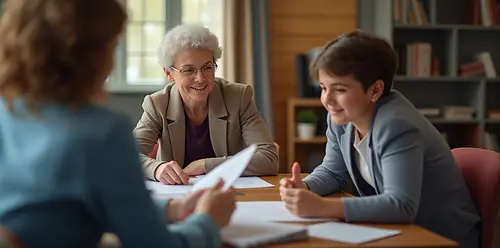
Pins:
x,y
297,26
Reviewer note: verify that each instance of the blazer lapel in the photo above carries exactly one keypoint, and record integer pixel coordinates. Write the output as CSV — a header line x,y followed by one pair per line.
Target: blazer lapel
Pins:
x,y
347,140
176,125
217,114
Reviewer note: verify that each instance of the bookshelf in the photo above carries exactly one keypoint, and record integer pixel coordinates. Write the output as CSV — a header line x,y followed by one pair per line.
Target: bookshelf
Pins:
x,y
300,150
447,49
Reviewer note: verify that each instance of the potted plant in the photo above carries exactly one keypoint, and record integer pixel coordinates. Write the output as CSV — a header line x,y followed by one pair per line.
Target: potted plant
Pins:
x,y
306,124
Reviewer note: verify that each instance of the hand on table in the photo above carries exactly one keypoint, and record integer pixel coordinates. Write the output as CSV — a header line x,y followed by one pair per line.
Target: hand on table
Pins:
x,y
171,173
195,168
218,204
294,182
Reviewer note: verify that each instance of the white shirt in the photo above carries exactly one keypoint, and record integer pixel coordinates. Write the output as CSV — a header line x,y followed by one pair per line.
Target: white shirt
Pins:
x,y
363,158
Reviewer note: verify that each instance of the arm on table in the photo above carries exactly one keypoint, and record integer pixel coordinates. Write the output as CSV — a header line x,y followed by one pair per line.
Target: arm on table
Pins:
x,y
125,208
402,166
254,131
331,175
147,132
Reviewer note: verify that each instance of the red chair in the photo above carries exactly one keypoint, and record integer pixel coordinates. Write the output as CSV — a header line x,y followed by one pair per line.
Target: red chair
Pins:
x,y
481,171
153,153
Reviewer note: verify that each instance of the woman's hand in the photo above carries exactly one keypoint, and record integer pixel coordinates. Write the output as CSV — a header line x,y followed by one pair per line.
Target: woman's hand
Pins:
x,y
195,168
304,203
294,182
180,209
171,173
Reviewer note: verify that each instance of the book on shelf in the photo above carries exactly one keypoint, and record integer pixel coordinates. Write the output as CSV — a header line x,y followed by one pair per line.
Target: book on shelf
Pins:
x,y
410,12
449,112
486,12
482,65
415,59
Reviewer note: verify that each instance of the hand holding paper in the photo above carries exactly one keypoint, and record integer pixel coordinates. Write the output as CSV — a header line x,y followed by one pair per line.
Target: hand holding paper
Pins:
x,y
229,171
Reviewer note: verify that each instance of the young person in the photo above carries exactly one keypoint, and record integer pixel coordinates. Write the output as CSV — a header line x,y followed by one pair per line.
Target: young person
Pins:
x,y
69,169
400,165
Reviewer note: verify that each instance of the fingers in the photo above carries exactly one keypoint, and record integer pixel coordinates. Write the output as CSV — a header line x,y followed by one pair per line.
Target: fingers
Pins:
x,y
285,182
173,175
183,177
295,171
219,184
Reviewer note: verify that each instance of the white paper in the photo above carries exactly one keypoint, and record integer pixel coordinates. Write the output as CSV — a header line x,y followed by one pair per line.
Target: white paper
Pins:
x,y
251,233
348,233
159,188
229,170
267,211
247,182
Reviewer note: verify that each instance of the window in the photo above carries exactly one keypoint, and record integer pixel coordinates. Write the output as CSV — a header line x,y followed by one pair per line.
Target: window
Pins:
x,y
136,67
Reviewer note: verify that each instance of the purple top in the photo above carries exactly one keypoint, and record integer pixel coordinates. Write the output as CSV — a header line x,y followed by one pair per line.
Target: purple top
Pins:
x,y
198,144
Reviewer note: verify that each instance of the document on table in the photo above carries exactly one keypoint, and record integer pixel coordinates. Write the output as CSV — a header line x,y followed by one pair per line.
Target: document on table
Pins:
x,y
248,182
160,190
348,233
252,234
267,211
229,170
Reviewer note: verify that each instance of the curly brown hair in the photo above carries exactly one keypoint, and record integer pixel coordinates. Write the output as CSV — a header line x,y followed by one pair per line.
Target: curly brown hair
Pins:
x,y
52,50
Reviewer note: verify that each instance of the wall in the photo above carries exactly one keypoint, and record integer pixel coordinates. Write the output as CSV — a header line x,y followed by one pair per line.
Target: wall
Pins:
x,y
129,104
296,26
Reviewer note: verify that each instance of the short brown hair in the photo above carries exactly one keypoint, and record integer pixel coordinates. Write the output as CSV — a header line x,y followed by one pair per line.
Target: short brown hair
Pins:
x,y
51,50
364,56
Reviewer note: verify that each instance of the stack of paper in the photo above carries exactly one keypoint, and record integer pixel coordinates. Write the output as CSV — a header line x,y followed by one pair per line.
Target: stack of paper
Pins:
x,y
349,233
267,211
251,234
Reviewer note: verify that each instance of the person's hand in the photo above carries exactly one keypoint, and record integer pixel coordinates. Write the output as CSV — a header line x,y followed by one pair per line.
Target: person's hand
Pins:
x,y
218,204
195,168
304,203
171,173
180,209
294,182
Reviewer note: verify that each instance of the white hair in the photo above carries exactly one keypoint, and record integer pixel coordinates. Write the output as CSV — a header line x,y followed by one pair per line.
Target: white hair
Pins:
x,y
187,36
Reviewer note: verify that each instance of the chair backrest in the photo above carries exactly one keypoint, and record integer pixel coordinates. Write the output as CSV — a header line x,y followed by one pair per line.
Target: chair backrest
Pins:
x,y
154,152
8,239
481,171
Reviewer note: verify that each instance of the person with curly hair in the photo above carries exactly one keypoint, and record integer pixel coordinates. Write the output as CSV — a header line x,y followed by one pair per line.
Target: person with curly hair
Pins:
x,y
70,169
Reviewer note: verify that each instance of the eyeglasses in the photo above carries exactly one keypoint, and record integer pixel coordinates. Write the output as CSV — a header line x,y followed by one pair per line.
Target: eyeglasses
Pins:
x,y
206,70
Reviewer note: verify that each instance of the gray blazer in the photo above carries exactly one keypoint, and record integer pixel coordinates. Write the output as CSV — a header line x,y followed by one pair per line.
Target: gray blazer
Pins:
x,y
417,179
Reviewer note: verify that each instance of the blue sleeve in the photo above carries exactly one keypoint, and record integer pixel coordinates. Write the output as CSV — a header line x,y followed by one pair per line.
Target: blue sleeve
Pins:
x,y
124,206
402,155
331,175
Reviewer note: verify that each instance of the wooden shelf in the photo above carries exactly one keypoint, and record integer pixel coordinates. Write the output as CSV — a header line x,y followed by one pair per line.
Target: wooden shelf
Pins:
x,y
315,140
447,27
306,102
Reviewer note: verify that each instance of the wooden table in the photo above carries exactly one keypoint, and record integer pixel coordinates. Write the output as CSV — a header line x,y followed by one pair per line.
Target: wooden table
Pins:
x,y
411,235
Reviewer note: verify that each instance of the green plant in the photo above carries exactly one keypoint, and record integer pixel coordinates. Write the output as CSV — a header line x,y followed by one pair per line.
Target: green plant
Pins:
x,y
307,116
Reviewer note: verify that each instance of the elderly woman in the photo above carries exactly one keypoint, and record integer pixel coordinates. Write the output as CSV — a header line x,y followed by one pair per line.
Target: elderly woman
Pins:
x,y
199,120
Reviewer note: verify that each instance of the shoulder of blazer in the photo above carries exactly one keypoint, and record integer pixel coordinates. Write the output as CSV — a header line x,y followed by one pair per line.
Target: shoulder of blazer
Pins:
x,y
161,98
233,93
394,117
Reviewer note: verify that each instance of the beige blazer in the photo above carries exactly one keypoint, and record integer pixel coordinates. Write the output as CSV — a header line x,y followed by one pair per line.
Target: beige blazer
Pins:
x,y
234,123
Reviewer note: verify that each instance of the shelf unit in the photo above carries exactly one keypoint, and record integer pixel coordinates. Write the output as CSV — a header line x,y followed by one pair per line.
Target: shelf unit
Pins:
x,y
298,150
454,41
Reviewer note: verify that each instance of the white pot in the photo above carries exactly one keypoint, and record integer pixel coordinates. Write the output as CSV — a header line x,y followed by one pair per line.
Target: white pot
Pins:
x,y
306,130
